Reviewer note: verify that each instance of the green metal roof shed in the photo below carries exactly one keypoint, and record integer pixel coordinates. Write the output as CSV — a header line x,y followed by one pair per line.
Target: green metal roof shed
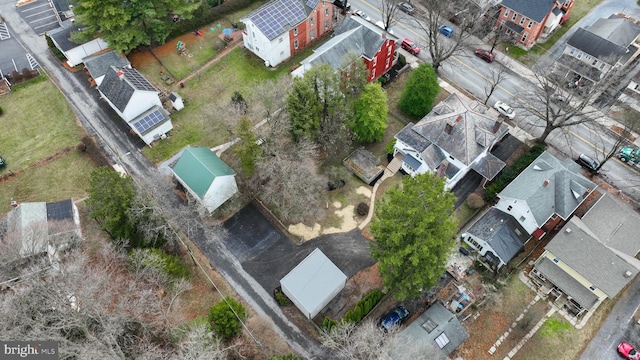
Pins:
x,y
205,176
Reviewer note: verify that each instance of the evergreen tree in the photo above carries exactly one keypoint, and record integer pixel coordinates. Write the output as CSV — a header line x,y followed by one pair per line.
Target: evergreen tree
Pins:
x,y
420,91
370,119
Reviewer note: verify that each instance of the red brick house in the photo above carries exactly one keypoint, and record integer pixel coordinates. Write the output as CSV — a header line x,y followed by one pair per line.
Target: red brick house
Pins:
x,y
525,21
280,28
355,35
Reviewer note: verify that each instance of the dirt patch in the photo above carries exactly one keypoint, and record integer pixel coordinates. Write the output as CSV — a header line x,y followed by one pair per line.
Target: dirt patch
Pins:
x,y
356,288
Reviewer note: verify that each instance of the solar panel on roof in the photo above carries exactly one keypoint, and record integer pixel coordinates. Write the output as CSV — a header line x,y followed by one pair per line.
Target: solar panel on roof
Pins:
x,y
311,3
149,121
137,80
279,16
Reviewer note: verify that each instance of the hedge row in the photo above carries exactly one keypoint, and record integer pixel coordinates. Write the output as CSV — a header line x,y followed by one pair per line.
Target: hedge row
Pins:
x,y
510,173
359,311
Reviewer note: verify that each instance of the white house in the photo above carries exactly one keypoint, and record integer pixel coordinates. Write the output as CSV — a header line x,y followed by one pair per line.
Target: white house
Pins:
x,y
452,139
74,52
136,101
313,283
280,28
205,176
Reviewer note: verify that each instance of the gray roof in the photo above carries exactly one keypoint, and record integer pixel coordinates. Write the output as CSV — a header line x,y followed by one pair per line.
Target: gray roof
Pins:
x,y
119,91
606,37
616,29
576,65
536,10
98,65
549,186
500,230
579,249
354,35
439,321
568,284
616,224
488,166
279,16
457,128
515,27
596,46
412,138
62,35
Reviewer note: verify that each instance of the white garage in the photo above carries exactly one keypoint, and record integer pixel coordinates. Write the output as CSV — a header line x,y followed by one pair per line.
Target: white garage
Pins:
x,y
313,283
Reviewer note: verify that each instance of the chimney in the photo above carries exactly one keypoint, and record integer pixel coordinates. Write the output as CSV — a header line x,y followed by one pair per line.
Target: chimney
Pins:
x,y
120,74
459,118
628,274
546,182
568,230
448,127
496,126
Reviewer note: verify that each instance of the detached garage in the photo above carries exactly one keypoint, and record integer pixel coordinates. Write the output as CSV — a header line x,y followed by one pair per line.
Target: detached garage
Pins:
x,y
313,283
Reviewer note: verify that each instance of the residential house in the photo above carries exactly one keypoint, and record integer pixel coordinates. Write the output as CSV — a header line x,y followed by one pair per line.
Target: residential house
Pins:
x,y
281,28
496,236
98,65
525,21
37,227
452,139
437,327
590,259
631,93
136,101
359,37
205,176
73,51
546,193
591,52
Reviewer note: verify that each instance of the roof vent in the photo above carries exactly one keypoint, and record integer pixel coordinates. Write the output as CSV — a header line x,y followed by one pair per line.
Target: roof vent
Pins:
x,y
120,74
627,274
546,182
568,230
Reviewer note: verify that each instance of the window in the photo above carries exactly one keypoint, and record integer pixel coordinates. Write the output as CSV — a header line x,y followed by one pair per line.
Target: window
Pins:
x,y
522,218
556,260
573,51
280,40
592,288
515,16
311,21
530,24
601,66
442,340
388,50
295,43
580,55
524,37
506,12
326,12
587,57
254,34
295,31
257,49
518,232
373,73
375,61
595,62
522,20
388,62
312,34
326,24
509,208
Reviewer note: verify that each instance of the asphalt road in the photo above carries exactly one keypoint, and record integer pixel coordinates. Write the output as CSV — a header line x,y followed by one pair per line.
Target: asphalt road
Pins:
x,y
125,150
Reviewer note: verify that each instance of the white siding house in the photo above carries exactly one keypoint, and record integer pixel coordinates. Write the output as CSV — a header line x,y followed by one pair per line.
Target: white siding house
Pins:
x,y
74,52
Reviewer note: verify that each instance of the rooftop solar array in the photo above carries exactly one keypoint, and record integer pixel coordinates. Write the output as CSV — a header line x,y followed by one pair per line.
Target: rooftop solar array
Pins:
x,y
311,3
149,121
279,16
137,80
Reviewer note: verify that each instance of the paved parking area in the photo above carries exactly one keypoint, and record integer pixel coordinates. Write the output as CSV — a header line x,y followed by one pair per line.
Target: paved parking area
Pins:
x,y
13,57
268,255
41,15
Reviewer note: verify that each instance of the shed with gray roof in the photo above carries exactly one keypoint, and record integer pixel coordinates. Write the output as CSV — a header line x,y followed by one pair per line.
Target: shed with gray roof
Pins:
x,y
74,52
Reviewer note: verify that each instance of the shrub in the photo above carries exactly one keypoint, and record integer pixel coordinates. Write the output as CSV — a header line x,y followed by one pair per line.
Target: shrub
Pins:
x,y
328,324
390,146
1,111
363,307
362,209
282,299
475,201
420,91
402,60
225,318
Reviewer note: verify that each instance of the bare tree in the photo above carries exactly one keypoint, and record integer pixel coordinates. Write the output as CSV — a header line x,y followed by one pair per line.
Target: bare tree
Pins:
x,y
498,75
610,142
388,10
367,341
553,108
441,47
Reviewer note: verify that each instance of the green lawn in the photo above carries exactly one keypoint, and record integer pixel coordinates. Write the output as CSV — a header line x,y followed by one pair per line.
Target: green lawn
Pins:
x,y
37,122
199,122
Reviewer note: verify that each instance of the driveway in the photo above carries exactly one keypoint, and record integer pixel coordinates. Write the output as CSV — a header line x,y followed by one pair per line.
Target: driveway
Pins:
x,y
13,57
41,15
268,255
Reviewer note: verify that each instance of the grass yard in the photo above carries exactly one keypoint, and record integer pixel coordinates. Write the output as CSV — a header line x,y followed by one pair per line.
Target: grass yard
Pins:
x,y
37,123
207,97
580,9
62,178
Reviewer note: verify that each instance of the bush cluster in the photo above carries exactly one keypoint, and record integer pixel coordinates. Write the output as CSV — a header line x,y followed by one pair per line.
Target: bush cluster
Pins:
x,y
359,311
225,318
512,172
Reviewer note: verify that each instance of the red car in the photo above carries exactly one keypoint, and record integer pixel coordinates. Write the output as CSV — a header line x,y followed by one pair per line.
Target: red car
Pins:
x,y
628,351
410,46
484,55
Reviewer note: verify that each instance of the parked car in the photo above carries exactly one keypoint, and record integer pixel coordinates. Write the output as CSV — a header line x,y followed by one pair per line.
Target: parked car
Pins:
x,y
445,30
380,24
504,109
628,351
362,14
485,55
588,163
410,46
395,317
627,154
555,97
406,7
